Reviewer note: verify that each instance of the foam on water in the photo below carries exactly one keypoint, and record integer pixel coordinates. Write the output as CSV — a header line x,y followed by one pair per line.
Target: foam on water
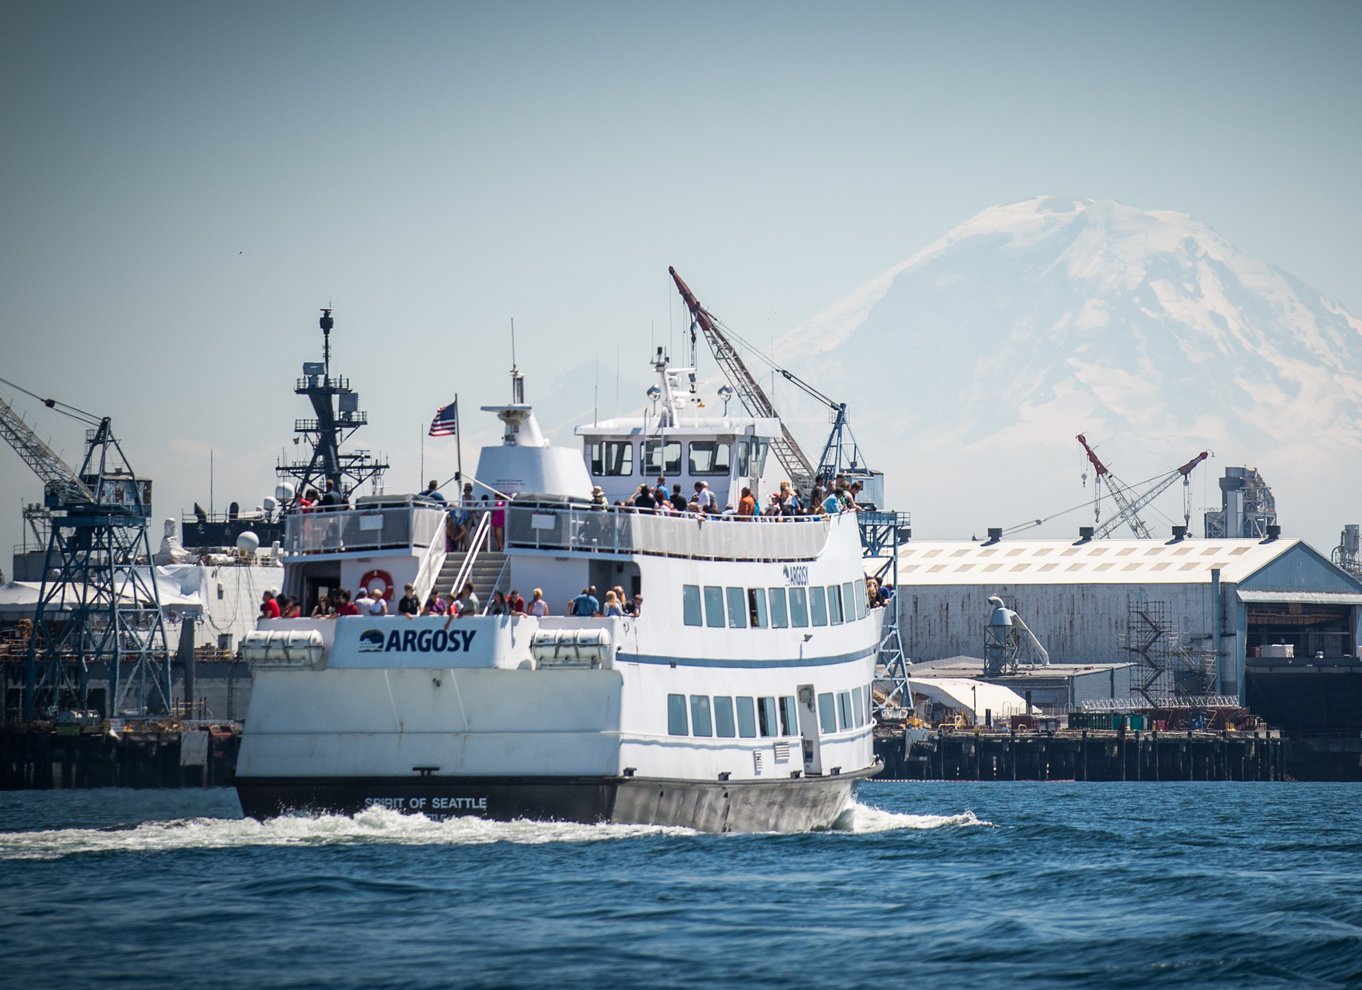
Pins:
x,y
372,826
865,818
381,826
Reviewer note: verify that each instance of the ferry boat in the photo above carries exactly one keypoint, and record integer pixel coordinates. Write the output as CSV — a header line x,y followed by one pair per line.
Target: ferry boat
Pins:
x,y
738,698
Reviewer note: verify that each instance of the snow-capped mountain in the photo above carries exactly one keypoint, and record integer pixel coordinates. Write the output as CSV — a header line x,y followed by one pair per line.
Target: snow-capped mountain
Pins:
x,y
970,367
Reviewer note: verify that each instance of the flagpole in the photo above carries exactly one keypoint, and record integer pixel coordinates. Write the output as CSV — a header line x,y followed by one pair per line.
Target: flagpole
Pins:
x,y
458,443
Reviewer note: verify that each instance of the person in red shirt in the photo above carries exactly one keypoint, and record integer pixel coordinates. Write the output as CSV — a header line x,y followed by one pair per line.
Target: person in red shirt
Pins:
x,y
269,608
346,607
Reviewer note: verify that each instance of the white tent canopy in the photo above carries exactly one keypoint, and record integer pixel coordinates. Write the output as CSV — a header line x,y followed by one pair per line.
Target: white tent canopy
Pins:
x,y
967,694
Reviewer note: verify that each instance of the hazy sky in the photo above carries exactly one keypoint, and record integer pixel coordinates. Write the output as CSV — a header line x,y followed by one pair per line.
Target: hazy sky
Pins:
x,y
185,184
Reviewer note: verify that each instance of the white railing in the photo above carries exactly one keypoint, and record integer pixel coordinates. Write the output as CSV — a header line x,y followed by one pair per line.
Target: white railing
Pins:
x,y
382,528
618,530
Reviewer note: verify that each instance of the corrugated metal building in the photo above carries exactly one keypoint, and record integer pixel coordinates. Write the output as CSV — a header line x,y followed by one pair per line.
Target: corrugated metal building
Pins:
x,y
1187,613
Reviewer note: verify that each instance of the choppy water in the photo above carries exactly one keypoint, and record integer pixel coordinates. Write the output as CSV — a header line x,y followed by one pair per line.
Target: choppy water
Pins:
x,y
1016,884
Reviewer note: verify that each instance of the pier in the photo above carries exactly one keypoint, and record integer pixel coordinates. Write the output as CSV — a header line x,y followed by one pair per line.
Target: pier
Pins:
x,y
43,758
1082,755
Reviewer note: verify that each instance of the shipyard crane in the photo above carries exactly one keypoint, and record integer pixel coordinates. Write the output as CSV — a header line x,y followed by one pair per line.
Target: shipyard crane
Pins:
x,y
882,532
753,397
797,464
94,606
1130,504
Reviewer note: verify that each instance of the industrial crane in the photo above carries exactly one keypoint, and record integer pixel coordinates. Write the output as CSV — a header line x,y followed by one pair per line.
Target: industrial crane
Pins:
x,y
797,464
1128,503
93,606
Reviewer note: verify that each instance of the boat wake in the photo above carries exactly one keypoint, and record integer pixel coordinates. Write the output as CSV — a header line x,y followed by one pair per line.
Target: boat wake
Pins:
x,y
376,826
866,819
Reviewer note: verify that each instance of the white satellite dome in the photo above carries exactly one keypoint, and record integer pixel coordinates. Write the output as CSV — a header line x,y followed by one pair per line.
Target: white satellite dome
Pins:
x,y
248,543
283,491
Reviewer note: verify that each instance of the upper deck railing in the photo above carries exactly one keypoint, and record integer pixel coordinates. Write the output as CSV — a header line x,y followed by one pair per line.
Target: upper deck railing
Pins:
x,y
413,526
630,531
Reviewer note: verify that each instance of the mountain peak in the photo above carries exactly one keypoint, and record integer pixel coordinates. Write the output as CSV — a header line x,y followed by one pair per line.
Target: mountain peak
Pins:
x,y
1034,320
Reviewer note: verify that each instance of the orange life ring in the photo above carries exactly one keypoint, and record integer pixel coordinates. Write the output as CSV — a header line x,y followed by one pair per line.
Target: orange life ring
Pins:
x,y
381,576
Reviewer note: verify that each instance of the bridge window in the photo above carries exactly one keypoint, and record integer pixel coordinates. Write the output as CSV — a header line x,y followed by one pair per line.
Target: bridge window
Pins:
x,y
714,607
661,457
690,604
799,607
744,446
709,457
858,706
612,458
844,710
789,716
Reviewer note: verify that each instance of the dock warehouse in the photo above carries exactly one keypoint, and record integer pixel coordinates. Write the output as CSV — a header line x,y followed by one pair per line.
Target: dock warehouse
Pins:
x,y
1187,613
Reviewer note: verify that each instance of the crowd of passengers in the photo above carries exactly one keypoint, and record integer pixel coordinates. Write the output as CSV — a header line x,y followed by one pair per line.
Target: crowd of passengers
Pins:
x,y
588,604
824,500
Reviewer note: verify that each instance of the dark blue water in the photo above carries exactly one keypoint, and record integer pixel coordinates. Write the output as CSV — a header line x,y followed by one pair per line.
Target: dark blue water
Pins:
x,y
1000,884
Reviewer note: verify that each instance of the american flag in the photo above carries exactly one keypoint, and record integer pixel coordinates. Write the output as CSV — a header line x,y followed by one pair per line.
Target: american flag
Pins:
x,y
446,421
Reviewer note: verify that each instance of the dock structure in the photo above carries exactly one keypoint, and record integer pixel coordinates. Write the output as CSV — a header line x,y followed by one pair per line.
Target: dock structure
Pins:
x,y
38,757
1082,755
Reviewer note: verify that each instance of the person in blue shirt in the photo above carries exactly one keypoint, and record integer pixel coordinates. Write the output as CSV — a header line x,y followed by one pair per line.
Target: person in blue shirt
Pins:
x,y
433,493
585,604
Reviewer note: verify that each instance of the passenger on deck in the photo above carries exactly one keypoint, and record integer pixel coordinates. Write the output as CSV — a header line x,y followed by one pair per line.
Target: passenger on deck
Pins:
x,y
612,606
378,605
432,493
705,497
584,605
435,604
499,605
289,609
598,499
644,499
747,504
464,606
323,609
637,606
538,607
789,501
499,526
409,605
772,507
269,607
679,502
346,606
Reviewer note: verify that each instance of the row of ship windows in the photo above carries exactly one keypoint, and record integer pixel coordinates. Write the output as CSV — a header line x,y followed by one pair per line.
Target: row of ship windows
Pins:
x,y
778,608
615,458
747,718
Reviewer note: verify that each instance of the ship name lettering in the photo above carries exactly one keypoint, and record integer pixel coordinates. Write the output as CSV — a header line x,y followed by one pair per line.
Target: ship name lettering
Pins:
x,y
797,574
429,640
460,803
